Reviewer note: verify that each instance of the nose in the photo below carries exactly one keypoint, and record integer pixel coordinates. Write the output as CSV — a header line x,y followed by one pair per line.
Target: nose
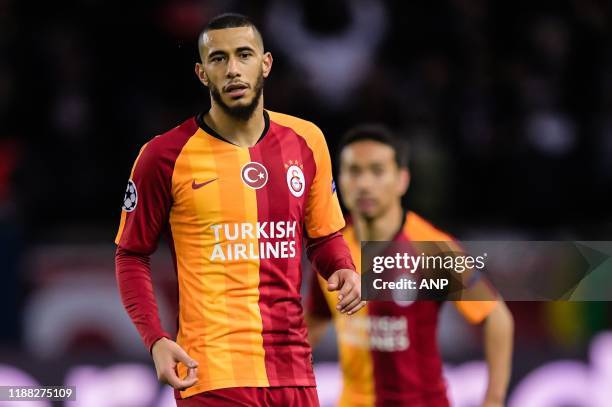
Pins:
x,y
232,68
364,181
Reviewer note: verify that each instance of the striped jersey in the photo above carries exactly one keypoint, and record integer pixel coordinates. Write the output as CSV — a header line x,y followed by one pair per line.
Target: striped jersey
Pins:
x,y
388,350
235,218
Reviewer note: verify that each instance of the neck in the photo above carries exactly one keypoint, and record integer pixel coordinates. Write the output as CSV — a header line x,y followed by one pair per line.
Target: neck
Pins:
x,y
244,133
381,228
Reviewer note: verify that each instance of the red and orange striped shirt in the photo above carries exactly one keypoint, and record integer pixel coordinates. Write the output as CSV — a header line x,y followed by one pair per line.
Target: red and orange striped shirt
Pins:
x,y
388,350
235,218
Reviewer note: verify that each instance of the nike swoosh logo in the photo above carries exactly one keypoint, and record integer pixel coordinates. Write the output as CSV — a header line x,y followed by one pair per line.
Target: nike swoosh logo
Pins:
x,y
195,185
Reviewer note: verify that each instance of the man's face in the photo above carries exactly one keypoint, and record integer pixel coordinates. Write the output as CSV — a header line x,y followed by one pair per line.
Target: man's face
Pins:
x,y
234,67
370,181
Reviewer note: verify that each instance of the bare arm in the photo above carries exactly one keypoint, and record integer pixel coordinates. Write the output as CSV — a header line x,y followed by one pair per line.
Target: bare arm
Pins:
x,y
498,342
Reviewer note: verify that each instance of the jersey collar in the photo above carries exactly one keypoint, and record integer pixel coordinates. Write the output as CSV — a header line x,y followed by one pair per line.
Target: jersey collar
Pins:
x,y
202,124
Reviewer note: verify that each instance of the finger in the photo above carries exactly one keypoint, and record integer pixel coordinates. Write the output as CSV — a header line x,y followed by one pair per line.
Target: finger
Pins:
x,y
170,377
333,282
348,307
346,289
352,304
357,307
191,373
185,384
184,358
190,379
182,384
347,299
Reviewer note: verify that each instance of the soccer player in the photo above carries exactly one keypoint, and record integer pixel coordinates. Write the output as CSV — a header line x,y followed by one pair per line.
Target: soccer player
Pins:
x,y
388,351
235,190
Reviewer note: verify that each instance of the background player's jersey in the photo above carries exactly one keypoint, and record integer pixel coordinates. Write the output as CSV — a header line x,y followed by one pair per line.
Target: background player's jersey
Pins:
x,y
388,351
234,218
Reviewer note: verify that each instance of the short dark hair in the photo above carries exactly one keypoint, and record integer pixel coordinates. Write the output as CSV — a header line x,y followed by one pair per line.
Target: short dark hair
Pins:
x,y
228,20
379,133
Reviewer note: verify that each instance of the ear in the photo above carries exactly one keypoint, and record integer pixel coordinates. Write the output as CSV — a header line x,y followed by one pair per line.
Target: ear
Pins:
x,y
404,181
201,74
266,64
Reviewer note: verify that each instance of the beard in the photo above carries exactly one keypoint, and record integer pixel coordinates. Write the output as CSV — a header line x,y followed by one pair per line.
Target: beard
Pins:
x,y
242,113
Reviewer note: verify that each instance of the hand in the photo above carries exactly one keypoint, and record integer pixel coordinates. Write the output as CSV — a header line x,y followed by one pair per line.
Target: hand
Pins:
x,y
349,285
166,355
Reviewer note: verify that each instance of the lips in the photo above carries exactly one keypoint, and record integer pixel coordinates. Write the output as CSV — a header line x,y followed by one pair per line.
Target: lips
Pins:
x,y
236,90
366,203
234,86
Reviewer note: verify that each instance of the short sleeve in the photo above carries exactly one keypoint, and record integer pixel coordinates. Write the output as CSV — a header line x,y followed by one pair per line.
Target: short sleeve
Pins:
x,y
475,311
147,202
323,213
479,297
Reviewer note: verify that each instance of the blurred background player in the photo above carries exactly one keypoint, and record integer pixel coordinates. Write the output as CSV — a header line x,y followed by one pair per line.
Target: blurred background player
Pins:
x,y
234,190
388,351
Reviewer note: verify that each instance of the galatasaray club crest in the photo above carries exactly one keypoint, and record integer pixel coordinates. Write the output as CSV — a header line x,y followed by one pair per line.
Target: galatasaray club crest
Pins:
x,y
295,178
254,175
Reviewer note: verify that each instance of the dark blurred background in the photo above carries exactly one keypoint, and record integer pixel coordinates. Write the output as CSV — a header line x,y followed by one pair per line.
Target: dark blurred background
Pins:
x,y
507,107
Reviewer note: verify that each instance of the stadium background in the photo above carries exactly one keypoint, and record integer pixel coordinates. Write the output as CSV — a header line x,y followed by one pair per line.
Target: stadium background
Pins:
x,y
507,106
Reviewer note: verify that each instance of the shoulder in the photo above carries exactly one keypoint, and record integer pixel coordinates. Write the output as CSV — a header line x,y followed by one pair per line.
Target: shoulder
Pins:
x,y
168,145
348,230
418,228
174,138
304,128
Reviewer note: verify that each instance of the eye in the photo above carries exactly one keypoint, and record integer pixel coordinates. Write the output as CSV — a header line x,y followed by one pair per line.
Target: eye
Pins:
x,y
354,171
216,59
378,171
245,54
